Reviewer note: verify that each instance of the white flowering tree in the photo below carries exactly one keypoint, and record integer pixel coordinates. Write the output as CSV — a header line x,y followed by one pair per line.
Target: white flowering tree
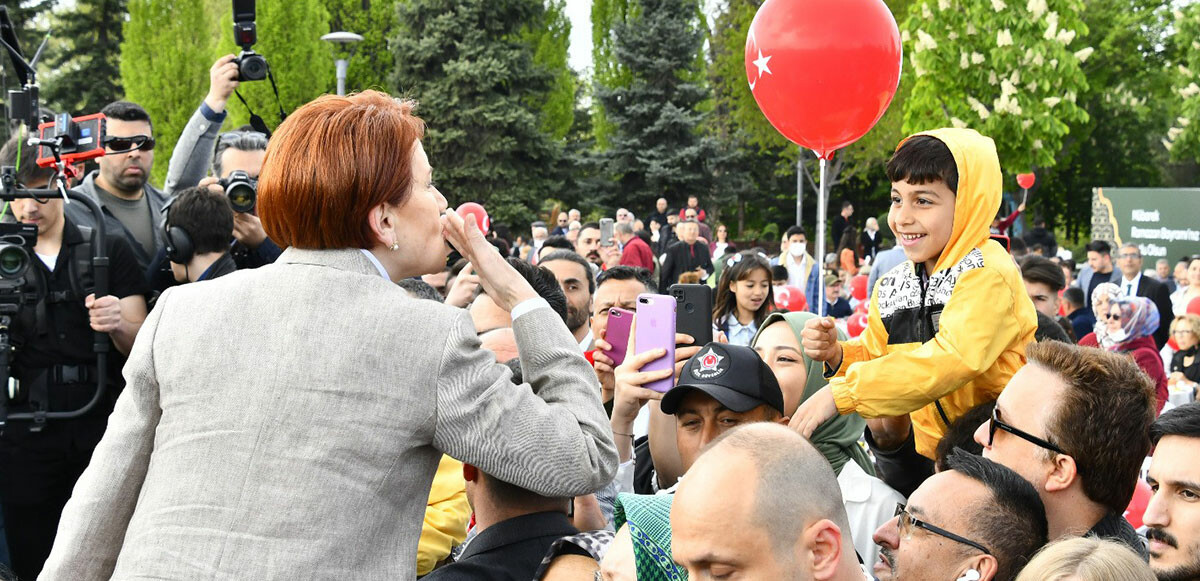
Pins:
x,y
1183,138
1007,68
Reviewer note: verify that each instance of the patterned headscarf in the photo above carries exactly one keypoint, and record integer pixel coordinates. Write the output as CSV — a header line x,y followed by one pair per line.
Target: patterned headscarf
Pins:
x,y
1105,292
649,518
1139,318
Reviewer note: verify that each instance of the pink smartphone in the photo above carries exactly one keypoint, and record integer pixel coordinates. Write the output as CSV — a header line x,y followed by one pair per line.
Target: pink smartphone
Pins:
x,y
617,334
656,329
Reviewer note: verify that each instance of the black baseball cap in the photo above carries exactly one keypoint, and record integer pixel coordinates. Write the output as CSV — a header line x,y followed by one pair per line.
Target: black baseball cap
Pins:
x,y
733,375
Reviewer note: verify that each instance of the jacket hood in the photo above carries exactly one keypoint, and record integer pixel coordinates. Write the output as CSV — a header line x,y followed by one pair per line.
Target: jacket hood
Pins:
x,y
979,190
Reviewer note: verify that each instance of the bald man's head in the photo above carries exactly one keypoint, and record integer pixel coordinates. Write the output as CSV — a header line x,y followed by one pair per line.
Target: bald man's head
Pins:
x,y
502,342
762,484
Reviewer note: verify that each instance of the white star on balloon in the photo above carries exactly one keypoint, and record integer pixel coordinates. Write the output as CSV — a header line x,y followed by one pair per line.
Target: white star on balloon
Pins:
x,y
760,62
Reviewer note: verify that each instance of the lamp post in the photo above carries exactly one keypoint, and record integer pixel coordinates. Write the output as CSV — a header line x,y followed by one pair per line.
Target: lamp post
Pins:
x,y
343,43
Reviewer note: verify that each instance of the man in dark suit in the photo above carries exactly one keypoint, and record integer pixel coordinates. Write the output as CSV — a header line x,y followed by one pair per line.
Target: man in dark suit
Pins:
x,y
1134,284
515,529
687,255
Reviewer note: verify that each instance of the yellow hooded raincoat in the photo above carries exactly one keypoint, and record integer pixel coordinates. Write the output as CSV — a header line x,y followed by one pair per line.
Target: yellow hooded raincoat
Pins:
x,y
937,351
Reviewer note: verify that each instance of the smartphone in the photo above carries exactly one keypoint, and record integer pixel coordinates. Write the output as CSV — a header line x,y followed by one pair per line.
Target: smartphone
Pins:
x,y
656,330
606,231
694,308
617,334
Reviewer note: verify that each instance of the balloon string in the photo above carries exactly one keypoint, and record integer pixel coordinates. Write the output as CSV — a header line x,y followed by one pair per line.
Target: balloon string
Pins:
x,y
822,209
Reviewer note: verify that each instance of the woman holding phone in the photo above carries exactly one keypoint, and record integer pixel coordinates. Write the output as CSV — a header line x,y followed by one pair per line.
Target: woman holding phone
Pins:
x,y
287,421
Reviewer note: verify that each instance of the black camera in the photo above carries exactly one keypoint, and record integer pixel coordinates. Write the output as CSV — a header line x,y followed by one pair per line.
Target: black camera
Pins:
x,y
16,244
242,191
251,65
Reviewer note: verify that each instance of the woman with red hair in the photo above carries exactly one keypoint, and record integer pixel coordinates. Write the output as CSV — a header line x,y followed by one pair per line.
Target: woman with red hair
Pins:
x,y
287,421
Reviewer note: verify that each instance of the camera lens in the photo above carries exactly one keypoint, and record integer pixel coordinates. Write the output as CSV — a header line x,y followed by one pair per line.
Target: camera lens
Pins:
x,y
689,308
14,261
241,197
252,67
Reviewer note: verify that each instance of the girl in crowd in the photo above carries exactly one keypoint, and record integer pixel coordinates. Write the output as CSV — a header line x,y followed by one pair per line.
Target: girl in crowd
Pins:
x,y
1131,323
721,245
1181,298
744,297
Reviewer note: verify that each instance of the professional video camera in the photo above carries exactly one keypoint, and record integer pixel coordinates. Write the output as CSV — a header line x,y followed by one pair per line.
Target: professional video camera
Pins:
x,y
242,191
61,143
251,65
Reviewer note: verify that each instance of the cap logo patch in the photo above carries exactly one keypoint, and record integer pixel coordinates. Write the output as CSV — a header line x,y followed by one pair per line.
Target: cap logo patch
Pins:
x,y
710,365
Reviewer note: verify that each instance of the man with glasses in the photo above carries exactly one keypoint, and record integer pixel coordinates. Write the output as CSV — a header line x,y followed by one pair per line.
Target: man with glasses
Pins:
x,y
1074,422
121,186
1134,284
977,521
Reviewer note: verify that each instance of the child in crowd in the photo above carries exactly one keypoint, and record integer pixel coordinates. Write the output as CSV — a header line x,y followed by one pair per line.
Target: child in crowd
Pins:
x,y
744,297
946,329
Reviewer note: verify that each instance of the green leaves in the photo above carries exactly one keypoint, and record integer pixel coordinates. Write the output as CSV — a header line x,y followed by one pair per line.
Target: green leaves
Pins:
x,y
1183,137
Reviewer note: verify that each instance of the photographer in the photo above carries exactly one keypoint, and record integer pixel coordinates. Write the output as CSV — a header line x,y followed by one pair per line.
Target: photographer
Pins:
x,y
54,361
242,150
197,234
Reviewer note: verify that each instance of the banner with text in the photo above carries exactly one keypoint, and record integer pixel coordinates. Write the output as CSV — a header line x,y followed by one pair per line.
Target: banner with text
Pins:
x,y
1163,222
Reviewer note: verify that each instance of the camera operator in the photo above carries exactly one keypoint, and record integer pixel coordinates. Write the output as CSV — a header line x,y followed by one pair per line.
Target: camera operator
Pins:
x,y
197,235
240,150
121,186
54,361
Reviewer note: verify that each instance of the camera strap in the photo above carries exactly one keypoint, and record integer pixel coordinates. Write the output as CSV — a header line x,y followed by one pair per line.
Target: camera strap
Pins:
x,y
257,122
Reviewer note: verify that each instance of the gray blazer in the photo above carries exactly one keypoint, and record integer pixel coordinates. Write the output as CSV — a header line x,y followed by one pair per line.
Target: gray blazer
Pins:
x,y
286,422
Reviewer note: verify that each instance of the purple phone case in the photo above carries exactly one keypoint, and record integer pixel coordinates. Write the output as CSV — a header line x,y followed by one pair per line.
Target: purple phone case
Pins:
x,y
656,329
617,334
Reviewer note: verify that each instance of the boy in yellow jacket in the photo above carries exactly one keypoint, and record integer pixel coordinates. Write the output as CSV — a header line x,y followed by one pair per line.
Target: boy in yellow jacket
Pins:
x,y
948,327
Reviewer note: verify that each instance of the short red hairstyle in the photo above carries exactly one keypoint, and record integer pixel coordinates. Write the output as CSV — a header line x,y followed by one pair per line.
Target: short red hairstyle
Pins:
x,y
332,161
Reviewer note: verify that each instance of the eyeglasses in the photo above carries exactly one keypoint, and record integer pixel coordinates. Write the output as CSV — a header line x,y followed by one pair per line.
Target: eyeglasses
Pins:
x,y
1129,255
127,144
1182,332
997,424
1112,317
906,523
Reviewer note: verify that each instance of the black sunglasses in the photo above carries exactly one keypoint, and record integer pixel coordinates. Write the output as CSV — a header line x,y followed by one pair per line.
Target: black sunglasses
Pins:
x,y
997,424
127,144
907,522
1112,317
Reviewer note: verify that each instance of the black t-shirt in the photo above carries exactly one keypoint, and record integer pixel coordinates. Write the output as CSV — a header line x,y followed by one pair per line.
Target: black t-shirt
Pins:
x,y
1097,280
64,334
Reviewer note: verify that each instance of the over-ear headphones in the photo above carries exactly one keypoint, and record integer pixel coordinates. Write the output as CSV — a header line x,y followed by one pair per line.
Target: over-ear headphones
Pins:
x,y
180,249
969,575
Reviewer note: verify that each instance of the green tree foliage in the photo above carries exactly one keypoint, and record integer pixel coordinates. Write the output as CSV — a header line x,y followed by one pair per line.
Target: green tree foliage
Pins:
x,y
30,19
607,71
1010,69
550,39
165,59
86,60
1183,138
289,36
1127,101
468,63
372,61
657,147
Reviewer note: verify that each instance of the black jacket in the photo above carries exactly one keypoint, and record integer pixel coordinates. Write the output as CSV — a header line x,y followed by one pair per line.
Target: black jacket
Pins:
x,y
1157,292
682,258
508,550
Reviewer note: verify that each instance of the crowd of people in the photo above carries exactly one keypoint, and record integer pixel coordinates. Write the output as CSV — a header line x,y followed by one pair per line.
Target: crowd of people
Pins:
x,y
346,379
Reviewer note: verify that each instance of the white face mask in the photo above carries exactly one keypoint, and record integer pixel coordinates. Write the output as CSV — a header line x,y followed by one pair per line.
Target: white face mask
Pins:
x,y
1118,335
797,249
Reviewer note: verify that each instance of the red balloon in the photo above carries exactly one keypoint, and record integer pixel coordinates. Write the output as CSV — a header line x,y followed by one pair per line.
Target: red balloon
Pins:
x,y
790,298
862,307
1138,504
856,324
476,211
823,71
1193,307
858,286
1172,344
1026,180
